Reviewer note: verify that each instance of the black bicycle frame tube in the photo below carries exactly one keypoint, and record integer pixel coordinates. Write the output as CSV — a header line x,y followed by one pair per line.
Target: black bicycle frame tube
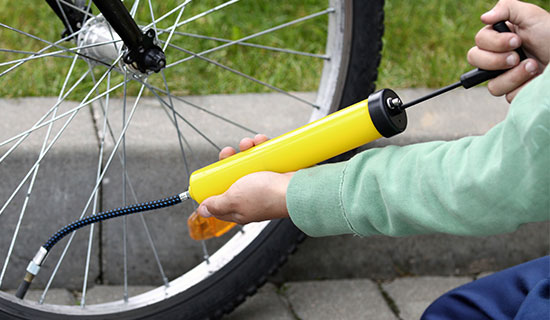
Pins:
x,y
114,12
120,19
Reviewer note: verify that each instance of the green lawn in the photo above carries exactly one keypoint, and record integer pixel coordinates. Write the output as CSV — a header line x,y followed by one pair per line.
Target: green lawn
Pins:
x,y
426,41
425,45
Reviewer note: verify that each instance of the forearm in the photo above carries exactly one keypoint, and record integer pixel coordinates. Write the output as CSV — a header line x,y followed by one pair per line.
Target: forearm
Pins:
x,y
474,186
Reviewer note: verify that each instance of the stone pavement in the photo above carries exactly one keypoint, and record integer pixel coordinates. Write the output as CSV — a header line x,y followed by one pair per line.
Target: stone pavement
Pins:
x,y
402,298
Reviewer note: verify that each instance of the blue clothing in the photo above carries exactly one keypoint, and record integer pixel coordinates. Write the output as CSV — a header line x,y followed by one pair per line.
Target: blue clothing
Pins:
x,y
520,293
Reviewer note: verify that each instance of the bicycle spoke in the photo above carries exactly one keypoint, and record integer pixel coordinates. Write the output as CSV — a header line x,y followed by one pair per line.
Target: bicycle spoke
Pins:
x,y
206,255
40,51
95,201
54,44
174,29
94,190
64,16
194,105
33,57
36,55
30,53
124,172
68,4
200,15
265,84
61,116
37,163
179,134
163,102
23,137
72,114
134,9
33,179
134,195
254,45
153,21
175,121
284,25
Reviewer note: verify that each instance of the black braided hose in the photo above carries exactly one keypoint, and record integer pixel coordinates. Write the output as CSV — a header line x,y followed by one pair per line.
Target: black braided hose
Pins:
x,y
34,265
135,208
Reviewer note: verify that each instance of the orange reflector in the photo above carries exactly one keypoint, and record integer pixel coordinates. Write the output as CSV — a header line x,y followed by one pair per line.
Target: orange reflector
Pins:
x,y
205,228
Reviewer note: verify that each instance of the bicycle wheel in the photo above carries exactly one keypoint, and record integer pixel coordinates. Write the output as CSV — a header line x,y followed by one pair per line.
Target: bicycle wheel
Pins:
x,y
195,280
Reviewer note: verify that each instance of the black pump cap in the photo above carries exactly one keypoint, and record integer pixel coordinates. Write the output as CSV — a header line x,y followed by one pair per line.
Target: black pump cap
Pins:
x,y
387,117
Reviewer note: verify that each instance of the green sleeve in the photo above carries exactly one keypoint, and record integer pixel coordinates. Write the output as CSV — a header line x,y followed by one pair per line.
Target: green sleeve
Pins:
x,y
473,186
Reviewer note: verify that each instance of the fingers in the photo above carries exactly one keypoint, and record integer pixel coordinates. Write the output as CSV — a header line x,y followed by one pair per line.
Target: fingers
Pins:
x,y
226,153
260,138
245,144
248,143
494,50
491,40
512,80
492,60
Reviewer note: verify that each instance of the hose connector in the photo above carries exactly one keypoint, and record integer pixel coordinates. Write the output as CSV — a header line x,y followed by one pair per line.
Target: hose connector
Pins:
x,y
32,270
34,266
184,196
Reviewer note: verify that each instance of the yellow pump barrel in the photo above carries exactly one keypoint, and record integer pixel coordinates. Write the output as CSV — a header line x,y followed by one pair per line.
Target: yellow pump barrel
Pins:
x,y
304,147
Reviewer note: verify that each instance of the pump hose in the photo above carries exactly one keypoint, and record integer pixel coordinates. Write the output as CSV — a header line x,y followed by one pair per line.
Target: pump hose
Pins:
x,y
135,208
34,265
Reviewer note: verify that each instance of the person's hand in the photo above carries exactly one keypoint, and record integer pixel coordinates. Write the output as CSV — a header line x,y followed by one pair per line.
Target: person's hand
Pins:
x,y
495,51
256,197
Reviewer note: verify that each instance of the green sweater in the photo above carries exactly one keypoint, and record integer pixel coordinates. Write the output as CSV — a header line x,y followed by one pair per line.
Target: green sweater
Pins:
x,y
472,186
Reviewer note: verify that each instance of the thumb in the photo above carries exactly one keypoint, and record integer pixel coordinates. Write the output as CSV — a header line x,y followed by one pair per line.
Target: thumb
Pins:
x,y
214,206
514,11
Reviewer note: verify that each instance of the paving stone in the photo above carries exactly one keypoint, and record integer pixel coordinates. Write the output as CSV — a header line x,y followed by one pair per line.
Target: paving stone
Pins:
x,y
101,293
266,304
54,296
337,299
413,295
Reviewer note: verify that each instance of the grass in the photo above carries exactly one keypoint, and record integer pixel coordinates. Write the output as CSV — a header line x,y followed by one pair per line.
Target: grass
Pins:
x,y
426,41
425,45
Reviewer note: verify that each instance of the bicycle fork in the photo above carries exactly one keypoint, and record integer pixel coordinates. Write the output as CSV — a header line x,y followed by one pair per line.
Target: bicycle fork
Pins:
x,y
140,49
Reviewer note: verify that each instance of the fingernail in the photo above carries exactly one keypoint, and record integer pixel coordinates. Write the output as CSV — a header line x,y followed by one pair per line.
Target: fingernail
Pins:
x,y
511,60
203,211
530,67
514,43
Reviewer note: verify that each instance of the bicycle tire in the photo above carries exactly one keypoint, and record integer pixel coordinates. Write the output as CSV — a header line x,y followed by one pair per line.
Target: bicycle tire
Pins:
x,y
224,290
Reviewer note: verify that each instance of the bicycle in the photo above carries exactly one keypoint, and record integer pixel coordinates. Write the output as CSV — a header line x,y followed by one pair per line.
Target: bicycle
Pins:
x,y
115,47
